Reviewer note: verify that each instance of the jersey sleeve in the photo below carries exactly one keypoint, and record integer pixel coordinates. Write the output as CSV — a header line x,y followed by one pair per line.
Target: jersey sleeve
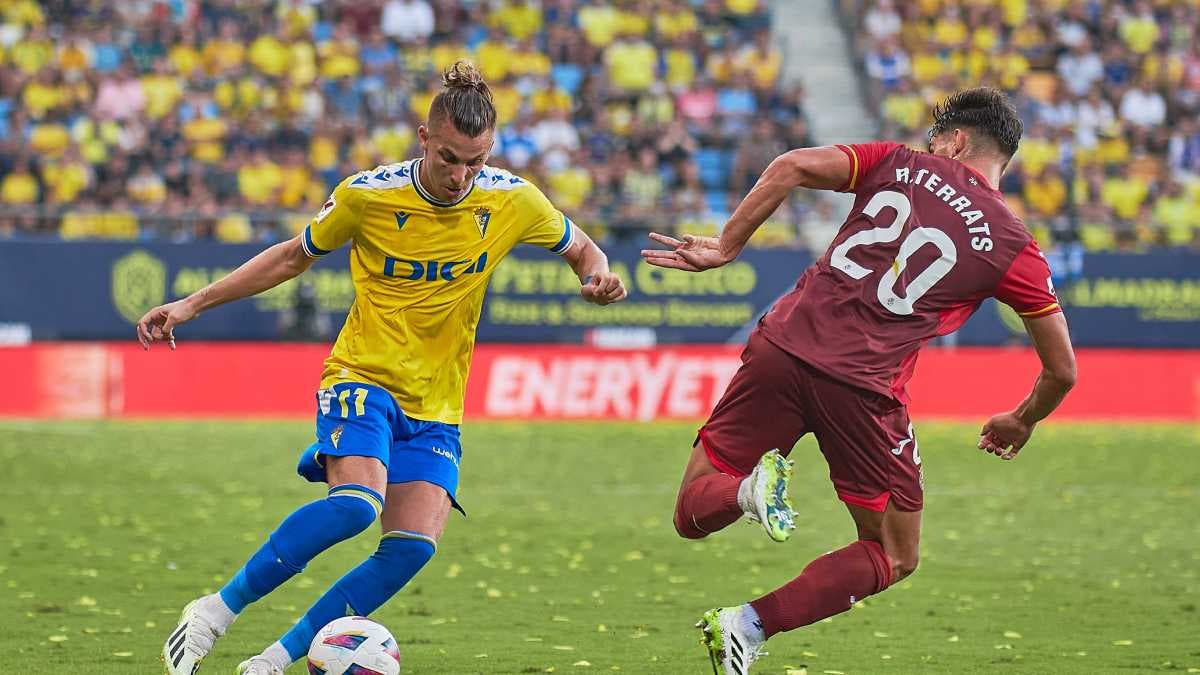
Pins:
x,y
542,224
1027,286
337,222
864,157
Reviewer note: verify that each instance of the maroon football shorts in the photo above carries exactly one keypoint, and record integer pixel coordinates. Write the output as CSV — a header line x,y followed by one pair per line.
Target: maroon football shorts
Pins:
x,y
775,398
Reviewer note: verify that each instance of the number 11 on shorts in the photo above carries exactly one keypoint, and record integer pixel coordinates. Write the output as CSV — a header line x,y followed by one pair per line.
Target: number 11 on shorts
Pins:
x,y
359,395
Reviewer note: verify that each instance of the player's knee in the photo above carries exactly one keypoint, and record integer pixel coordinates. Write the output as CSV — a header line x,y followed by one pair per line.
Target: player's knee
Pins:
x,y
401,553
685,525
359,507
903,565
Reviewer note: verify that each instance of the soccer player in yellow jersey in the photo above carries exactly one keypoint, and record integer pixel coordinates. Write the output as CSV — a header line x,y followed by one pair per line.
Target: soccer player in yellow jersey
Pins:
x,y
425,236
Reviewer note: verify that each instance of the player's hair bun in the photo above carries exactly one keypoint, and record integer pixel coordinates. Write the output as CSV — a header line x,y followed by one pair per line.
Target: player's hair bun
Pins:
x,y
465,100
464,75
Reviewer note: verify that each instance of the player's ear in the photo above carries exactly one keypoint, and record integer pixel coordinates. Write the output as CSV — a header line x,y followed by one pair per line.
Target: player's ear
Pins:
x,y
959,139
423,135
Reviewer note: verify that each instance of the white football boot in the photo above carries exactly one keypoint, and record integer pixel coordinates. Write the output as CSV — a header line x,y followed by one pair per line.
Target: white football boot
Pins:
x,y
730,649
190,642
257,665
763,495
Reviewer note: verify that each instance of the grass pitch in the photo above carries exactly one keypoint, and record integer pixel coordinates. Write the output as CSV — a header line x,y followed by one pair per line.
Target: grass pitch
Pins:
x,y
1081,556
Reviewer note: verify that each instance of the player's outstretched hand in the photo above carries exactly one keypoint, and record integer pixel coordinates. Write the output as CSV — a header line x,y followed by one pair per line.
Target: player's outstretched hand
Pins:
x,y
159,323
604,288
1004,435
692,253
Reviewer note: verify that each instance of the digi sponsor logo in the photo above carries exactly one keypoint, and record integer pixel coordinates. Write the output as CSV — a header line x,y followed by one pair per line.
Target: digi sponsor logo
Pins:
x,y
433,270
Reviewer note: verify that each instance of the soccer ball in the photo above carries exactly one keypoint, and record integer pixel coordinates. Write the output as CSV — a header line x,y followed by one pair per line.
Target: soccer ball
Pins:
x,y
353,645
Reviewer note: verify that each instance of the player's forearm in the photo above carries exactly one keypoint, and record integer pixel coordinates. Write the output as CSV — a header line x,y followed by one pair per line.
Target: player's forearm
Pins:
x,y
589,262
584,256
1048,392
774,186
1052,341
277,264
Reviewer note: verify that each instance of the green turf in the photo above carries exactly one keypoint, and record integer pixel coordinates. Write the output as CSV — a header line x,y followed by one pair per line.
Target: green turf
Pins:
x,y
1082,556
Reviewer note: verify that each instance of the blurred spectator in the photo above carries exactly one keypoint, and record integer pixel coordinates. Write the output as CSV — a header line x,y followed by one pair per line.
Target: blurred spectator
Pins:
x,y
20,186
632,63
1093,115
1184,150
1081,67
1178,214
555,138
889,65
407,20
753,156
1142,106
882,21
120,96
1123,194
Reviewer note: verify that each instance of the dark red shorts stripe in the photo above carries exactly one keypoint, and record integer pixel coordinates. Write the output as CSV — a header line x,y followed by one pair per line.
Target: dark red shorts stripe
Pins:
x,y
878,503
710,451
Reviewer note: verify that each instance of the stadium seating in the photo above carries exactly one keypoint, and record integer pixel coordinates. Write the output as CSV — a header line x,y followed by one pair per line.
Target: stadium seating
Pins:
x,y
189,120
1109,91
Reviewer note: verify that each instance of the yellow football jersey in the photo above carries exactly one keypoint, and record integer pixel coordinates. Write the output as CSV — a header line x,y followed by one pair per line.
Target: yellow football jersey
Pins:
x,y
420,268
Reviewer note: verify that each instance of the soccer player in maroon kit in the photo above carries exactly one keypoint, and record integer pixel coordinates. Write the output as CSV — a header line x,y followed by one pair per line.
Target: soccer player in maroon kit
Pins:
x,y
928,239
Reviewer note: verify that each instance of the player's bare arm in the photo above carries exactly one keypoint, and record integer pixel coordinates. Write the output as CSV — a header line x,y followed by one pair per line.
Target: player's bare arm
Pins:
x,y
824,168
277,264
1005,434
599,285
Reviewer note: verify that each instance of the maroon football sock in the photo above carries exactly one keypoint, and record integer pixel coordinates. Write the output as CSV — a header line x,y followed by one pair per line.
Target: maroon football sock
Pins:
x,y
706,505
829,585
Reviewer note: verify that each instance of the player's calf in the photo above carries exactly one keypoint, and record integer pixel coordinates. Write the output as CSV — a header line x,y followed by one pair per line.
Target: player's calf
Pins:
x,y
348,510
707,504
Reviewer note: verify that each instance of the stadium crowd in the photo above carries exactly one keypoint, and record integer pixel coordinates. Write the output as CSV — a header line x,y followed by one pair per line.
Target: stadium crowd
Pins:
x,y
232,119
1109,91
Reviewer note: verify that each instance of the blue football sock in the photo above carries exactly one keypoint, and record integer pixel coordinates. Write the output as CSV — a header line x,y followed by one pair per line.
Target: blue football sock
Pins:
x,y
365,588
310,529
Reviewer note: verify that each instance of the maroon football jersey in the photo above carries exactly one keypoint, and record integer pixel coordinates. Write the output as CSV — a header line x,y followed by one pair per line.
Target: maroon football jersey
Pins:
x,y
926,242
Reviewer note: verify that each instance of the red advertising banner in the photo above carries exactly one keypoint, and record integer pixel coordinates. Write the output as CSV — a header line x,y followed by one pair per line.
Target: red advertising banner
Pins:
x,y
90,380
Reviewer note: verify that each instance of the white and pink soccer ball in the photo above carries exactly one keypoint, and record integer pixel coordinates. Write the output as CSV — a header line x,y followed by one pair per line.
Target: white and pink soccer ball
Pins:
x,y
353,645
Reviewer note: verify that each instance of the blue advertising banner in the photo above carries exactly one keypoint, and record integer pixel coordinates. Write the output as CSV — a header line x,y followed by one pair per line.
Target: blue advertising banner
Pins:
x,y
96,290
1113,300
68,291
